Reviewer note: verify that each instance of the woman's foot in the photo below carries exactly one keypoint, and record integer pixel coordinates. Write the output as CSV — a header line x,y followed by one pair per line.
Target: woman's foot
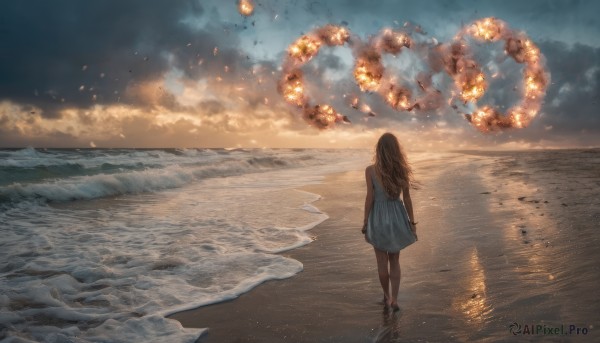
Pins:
x,y
386,302
394,306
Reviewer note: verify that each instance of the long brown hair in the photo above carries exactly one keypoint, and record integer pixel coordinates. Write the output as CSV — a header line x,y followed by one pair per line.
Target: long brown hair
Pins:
x,y
392,166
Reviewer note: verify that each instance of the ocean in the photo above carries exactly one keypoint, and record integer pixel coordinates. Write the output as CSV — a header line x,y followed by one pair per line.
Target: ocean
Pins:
x,y
102,244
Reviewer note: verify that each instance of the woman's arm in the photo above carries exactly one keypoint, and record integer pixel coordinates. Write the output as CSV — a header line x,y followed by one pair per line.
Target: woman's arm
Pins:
x,y
409,208
369,198
408,203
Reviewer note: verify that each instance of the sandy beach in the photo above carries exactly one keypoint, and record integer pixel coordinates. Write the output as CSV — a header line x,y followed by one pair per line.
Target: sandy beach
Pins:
x,y
504,239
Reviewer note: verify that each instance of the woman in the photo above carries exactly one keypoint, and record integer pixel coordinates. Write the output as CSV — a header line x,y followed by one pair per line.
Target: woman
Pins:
x,y
388,225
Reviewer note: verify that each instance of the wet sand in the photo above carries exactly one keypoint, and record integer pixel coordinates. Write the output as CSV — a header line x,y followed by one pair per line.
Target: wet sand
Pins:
x,y
504,238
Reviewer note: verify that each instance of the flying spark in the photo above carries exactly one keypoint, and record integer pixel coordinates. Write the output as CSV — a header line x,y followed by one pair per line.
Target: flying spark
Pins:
x,y
246,7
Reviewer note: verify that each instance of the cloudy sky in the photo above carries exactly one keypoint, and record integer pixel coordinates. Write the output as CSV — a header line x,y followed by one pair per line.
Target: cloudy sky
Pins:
x,y
196,73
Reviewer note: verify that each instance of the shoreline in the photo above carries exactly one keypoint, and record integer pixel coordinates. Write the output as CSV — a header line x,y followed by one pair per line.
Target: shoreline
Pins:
x,y
472,273
307,287
337,296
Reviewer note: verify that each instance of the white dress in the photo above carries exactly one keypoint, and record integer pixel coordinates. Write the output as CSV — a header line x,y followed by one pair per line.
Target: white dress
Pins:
x,y
388,225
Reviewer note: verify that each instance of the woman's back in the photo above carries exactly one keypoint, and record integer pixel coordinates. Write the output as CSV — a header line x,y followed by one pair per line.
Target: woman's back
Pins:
x,y
379,193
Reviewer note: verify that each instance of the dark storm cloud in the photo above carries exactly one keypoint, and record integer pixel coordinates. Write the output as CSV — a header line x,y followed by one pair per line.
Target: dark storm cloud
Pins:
x,y
573,98
69,53
572,18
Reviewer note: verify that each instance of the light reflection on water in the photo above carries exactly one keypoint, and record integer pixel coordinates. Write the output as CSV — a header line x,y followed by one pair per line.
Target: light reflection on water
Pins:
x,y
475,308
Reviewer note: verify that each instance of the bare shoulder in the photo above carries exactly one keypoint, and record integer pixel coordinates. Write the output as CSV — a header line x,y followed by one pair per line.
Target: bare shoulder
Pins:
x,y
369,172
369,179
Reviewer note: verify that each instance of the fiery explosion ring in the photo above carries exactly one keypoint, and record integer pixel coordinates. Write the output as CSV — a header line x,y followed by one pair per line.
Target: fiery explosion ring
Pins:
x,y
471,81
291,86
455,56
369,70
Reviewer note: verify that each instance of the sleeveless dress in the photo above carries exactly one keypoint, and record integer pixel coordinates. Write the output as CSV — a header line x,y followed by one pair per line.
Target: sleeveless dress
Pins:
x,y
388,225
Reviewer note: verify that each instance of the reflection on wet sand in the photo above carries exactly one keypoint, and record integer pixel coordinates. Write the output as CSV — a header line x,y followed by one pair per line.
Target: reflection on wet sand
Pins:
x,y
474,307
390,328
531,229
551,239
505,238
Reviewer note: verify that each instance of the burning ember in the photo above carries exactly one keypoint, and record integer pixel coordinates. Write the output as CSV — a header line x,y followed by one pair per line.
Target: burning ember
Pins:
x,y
246,7
473,86
392,42
398,98
323,116
488,29
304,49
293,89
333,35
368,71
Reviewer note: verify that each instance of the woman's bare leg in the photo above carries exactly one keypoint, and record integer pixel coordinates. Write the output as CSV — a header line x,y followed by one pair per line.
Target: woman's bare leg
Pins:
x,y
384,276
394,259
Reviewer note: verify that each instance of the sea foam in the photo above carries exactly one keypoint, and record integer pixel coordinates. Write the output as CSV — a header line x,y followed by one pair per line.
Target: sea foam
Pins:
x,y
89,268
